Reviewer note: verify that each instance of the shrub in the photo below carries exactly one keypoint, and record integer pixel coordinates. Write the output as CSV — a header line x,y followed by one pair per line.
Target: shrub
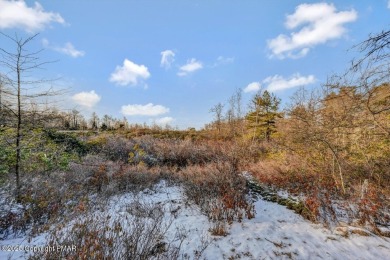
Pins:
x,y
72,143
117,148
137,177
218,190
219,229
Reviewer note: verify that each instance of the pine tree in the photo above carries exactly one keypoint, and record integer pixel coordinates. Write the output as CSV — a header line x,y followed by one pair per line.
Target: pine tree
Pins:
x,y
261,120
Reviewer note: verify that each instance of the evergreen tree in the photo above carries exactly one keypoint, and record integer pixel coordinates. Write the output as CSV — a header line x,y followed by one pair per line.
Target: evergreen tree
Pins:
x,y
261,120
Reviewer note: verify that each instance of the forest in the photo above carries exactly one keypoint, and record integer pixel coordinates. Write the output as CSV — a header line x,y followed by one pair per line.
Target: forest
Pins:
x,y
325,156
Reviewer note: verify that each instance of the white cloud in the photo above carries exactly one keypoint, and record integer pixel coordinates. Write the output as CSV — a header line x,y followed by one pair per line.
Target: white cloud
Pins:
x,y
167,58
129,73
319,22
67,49
276,82
70,50
86,99
144,110
16,14
388,4
191,66
252,87
164,120
221,60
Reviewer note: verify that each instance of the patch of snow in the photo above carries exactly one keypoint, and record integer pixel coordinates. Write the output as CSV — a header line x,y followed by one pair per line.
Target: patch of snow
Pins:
x,y
275,232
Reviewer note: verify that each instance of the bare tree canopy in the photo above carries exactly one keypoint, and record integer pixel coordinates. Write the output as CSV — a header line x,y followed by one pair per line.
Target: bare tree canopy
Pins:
x,y
376,47
24,98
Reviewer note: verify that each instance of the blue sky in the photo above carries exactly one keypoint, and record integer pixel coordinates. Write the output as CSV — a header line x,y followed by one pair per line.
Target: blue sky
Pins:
x,y
171,61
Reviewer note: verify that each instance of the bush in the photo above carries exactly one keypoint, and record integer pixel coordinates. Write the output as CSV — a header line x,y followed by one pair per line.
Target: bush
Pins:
x,y
137,177
218,190
72,143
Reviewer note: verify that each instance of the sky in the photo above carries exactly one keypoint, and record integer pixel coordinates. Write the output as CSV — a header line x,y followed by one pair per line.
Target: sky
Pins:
x,y
171,61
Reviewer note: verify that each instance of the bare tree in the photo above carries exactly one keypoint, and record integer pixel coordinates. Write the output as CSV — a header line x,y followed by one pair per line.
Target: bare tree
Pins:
x,y
94,121
376,48
75,115
369,75
217,110
234,113
22,89
345,129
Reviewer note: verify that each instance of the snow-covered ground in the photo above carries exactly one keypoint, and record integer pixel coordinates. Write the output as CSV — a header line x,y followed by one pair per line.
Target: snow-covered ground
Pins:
x,y
275,232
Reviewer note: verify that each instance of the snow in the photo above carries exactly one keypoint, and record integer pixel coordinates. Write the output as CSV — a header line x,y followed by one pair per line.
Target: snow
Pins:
x,y
274,233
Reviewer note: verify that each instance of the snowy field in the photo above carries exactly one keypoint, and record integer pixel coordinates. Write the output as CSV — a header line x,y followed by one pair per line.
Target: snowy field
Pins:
x,y
275,232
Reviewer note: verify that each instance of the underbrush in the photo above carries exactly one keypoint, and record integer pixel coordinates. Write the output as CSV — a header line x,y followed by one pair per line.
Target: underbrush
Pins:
x,y
209,172
46,198
220,192
138,235
363,203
